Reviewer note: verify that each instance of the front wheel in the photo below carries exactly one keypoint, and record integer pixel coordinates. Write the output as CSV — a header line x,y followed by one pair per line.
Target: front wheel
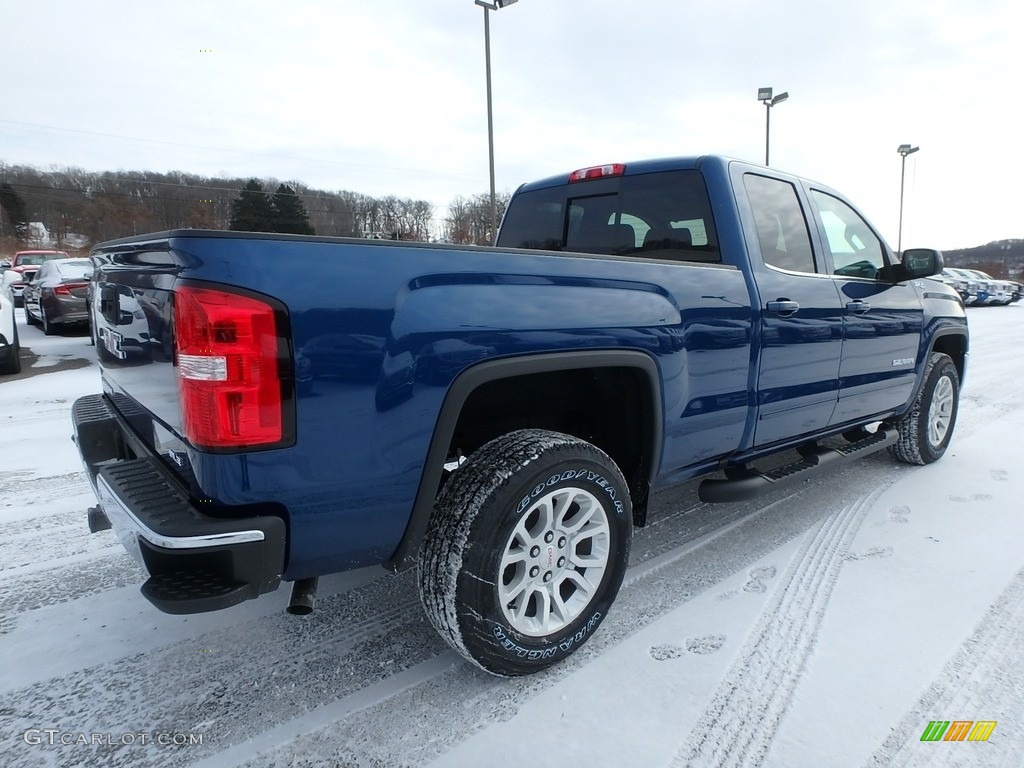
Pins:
x,y
925,431
526,551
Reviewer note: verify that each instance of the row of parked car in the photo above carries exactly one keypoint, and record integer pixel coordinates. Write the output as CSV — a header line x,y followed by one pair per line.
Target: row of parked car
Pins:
x,y
51,286
977,288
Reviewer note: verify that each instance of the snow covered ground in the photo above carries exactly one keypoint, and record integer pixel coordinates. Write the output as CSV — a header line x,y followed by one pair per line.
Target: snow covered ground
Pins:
x,y
825,625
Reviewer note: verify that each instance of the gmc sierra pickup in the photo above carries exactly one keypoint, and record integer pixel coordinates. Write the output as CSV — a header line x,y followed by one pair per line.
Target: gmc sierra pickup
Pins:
x,y
281,407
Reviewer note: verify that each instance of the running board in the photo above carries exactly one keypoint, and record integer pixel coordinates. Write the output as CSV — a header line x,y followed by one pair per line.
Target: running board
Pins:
x,y
742,482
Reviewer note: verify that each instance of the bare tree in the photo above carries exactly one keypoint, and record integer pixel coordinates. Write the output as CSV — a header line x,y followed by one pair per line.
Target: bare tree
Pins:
x,y
469,219
107,205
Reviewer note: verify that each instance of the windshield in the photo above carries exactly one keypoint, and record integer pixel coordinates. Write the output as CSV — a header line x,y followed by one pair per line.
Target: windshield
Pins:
x,y
35,259
75,268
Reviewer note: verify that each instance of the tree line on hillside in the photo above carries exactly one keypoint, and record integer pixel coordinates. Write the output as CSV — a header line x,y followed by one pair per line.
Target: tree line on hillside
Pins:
x,y
79,208
1003,259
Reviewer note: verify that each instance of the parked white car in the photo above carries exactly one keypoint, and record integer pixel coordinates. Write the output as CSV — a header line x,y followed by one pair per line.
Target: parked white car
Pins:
x,y
10,350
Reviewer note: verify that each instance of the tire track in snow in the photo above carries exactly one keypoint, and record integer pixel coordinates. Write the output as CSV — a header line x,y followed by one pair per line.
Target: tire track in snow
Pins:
x,y
48,543
740,723
21,490
31,411
273,669
986,668
277,666
89,573
276,669
426,721
47,554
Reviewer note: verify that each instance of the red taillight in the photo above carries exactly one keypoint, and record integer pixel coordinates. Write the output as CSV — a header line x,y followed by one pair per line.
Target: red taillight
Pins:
x,y
64,289
227,358
597,172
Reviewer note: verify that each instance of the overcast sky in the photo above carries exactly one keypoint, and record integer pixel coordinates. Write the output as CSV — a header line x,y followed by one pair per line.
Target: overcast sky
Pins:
x,y
388,97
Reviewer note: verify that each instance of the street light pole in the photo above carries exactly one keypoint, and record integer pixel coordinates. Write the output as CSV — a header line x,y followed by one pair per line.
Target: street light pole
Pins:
x,y
903,150
488,7
764,95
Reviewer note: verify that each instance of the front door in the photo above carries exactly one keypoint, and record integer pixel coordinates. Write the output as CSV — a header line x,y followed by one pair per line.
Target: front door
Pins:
x,y
882,320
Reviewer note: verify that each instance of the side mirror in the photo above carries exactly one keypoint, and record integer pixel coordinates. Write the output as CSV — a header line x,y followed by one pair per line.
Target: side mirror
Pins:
x,y
922,262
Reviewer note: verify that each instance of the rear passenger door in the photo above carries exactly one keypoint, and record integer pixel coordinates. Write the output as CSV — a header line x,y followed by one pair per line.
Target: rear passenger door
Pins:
x,y
801,314
882,319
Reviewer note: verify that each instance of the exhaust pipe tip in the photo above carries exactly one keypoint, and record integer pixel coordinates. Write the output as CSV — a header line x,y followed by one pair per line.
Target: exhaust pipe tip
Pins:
x,y
303,597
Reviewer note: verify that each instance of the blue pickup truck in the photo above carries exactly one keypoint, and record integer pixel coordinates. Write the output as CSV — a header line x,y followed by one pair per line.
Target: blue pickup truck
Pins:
x,y
276,408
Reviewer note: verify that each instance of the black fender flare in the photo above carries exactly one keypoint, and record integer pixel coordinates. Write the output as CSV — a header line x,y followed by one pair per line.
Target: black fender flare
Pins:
x,y
945,330
469,380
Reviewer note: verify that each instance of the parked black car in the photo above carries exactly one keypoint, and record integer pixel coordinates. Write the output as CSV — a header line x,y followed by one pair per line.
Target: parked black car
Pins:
x,y
56,295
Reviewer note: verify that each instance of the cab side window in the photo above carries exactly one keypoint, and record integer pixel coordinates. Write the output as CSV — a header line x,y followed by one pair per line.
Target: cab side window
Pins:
x,y
781,227
855,249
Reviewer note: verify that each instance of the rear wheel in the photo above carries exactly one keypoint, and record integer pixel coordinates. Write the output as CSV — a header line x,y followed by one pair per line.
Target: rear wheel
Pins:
x,y
48,328
526,551
29,317
925,431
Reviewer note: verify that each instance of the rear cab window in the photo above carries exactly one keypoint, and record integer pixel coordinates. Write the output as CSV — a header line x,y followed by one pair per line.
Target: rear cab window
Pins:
x,y
782,232
660,215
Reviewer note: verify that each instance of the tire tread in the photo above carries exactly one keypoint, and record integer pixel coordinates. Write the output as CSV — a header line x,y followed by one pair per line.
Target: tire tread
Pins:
x,y
908,448
491,468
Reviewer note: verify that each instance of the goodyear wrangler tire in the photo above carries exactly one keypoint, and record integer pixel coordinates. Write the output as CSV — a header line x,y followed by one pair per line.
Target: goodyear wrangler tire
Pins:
x,y
925,431
526,551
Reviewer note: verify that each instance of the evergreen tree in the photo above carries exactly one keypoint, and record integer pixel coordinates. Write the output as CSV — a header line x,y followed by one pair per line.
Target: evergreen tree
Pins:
x,y
14,207
252,210
291,216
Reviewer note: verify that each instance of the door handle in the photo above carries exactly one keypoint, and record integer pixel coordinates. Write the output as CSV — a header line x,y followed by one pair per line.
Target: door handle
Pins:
x,y
858,307
783,307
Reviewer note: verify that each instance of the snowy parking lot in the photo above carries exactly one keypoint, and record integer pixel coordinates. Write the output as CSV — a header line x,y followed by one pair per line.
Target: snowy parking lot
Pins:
x,y
824,625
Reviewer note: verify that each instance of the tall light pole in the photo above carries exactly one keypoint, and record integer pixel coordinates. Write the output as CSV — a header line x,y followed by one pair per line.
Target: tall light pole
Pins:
x,y
764,95
488,7
904,150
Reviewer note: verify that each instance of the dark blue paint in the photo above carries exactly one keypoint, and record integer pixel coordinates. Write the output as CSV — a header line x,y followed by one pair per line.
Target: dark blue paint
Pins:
x,y
378,332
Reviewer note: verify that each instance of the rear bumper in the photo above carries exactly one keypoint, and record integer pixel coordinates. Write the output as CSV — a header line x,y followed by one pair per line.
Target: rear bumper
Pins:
x,y
65,311
196,562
